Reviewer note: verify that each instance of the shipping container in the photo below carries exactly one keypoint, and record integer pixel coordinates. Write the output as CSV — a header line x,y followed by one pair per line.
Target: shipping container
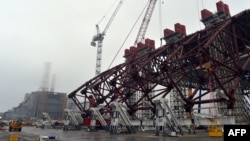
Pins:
x,y
133,50
179,28
147,42
168,32
126,52
205,14
150,43
226,8
140,45
220,6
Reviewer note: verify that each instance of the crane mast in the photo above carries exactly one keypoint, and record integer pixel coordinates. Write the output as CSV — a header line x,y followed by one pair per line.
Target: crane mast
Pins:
x,y
99,39
144,25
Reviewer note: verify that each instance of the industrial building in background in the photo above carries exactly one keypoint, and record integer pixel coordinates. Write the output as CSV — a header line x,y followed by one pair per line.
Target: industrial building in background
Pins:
x,y
43,100
35,103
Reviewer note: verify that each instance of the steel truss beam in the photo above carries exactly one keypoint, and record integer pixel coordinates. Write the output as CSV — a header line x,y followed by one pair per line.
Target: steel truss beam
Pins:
x,y
215,58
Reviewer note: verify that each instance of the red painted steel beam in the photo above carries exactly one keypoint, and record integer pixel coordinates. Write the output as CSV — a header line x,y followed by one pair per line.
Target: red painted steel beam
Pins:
x,y
218,55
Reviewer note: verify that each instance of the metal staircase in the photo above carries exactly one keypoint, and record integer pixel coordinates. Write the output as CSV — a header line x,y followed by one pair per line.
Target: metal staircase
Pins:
x,y
72,118
119,112
246,101
165,118
48,118
97,115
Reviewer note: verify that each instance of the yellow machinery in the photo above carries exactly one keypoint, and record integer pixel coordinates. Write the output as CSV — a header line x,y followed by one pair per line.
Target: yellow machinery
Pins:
x,y
215,130
16,125
13,137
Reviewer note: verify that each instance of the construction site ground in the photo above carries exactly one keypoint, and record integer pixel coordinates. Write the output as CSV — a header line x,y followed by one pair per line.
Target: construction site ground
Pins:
x,y
32,133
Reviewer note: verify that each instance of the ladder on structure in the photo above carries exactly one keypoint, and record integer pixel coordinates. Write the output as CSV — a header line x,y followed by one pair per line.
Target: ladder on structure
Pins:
x,y
74,118
96,114
46,116
162,118
118,111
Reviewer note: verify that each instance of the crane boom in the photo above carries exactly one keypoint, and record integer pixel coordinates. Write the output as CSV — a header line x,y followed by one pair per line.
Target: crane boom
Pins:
x,y
144,25
112,17
100,36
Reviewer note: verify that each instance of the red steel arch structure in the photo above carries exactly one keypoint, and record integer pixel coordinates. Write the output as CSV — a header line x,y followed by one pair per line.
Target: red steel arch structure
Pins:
x,y
218,55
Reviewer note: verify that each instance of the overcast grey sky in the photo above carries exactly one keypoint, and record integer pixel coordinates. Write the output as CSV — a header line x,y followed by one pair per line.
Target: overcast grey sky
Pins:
x,y
33,32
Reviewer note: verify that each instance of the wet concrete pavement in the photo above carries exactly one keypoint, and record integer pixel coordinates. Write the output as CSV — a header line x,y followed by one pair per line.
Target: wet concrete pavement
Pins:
x,y
31,134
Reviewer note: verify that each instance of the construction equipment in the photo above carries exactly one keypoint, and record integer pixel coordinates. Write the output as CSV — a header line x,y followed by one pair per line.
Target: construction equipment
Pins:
x,y
99,38
146,19
3,124
13,137
16,125
166,119
49,123
96,116
120,113
73,119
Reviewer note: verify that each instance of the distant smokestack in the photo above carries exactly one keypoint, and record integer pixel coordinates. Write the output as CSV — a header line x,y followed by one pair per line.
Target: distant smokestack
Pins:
x,y
45,80
53,80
